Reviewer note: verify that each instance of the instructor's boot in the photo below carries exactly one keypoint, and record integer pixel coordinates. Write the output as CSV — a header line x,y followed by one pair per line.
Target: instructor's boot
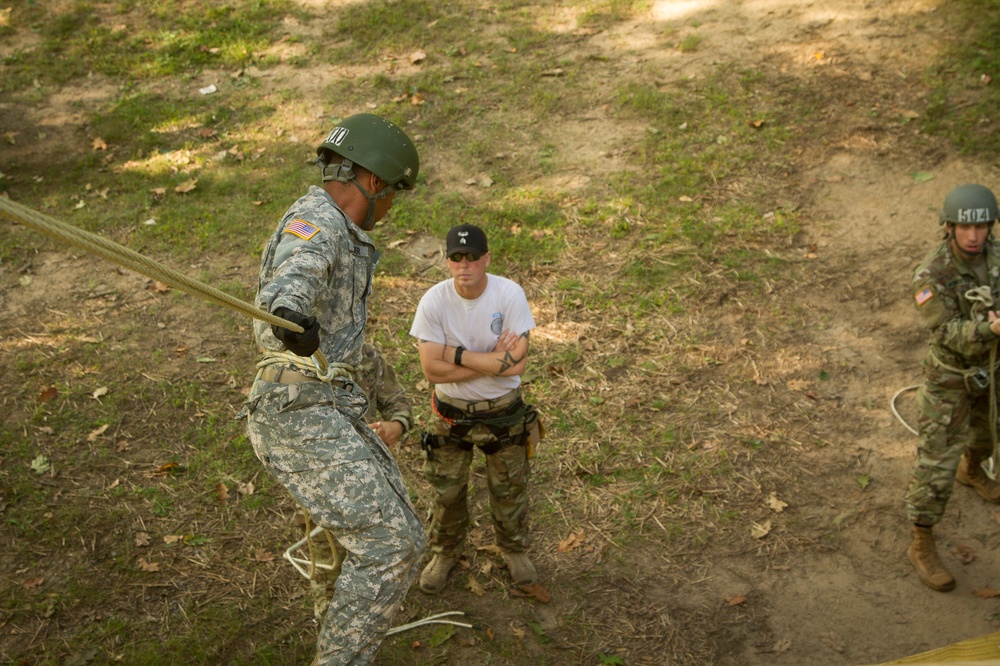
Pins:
x,y
970,473
924,557
435,575
522,571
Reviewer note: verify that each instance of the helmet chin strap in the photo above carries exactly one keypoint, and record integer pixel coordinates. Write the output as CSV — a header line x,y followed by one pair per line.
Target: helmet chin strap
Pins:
x,y
343,172
369,222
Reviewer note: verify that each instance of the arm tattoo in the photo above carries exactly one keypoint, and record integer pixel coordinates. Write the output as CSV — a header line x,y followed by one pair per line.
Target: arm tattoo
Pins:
x,y
508,362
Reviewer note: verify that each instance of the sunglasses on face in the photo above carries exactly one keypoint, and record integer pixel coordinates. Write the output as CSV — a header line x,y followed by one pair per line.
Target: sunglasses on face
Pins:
x,y
458,256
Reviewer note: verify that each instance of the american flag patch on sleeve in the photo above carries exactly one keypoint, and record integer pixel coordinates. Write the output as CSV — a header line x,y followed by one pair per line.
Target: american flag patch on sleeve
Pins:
x,y
924,295
302,229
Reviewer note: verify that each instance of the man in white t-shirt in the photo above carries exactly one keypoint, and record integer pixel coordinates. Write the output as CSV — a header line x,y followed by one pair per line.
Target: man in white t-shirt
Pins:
x,y
473,343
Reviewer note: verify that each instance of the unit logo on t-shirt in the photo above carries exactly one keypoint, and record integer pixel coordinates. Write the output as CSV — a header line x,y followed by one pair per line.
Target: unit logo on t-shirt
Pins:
x,y
496,325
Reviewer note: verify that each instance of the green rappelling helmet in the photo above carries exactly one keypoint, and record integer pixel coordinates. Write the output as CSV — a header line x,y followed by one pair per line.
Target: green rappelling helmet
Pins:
x,y
970,204
373,143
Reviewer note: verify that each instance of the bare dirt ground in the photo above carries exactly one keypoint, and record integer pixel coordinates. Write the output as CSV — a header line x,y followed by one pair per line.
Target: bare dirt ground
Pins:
x,y
841,590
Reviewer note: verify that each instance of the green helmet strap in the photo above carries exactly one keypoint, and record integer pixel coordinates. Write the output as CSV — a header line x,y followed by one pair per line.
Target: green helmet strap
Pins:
x,y
342,172
369,222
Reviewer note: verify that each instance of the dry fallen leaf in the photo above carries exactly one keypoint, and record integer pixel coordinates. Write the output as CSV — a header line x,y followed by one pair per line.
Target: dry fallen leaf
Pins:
x,y
518,632
572,541
98,393
186,186
262,555
222,493
141,539
48,394
158,287
417,56
475,586
738,600
776,504
168,468
986,592
94,434
98,144
760,530
532,591
148,566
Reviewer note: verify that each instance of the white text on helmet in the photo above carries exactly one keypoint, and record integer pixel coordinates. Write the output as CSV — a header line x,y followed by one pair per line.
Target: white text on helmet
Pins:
x,y
337,136
973,215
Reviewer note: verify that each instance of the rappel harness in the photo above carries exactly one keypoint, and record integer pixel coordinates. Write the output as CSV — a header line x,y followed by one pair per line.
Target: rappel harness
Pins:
x,y
502,424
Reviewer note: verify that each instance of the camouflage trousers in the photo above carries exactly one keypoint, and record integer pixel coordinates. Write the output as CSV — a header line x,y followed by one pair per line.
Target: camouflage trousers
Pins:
x,y
328,556
951,420
507,473
312,438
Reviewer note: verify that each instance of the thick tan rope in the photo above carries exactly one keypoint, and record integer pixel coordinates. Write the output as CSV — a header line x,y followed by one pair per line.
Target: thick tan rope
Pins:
x,y
131,259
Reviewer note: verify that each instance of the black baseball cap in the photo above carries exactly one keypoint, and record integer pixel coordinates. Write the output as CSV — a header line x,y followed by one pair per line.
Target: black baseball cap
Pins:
x,y
466,238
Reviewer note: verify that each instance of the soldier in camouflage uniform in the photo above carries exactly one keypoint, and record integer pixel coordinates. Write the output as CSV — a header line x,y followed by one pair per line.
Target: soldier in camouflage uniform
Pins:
x,y
956,290
387,398
473,344
308,430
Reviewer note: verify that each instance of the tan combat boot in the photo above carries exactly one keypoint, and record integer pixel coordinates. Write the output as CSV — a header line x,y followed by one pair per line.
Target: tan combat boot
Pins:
x,y
522,571
970,473
924,557
435,574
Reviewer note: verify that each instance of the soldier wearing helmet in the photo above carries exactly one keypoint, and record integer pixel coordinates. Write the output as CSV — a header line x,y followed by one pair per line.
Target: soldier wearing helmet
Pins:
x,y
308,429
956,290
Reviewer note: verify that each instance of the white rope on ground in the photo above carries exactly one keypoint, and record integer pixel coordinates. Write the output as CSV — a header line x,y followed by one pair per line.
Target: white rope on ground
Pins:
x,y
892,406
307,567
433,619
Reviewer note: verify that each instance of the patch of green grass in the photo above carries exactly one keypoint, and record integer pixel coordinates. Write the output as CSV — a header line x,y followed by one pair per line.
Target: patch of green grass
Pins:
x,y
962,105
393,26
690,42
145,40
605,13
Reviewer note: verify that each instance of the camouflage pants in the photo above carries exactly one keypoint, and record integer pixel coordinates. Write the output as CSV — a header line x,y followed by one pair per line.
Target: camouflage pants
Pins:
x,y
325,550
312,439
951,420
507,473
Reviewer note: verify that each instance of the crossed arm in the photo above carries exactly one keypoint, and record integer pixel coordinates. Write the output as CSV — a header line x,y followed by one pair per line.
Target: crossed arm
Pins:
x,y
508,358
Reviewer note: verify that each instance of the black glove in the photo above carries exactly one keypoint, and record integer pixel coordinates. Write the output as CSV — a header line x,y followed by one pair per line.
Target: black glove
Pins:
x,y
301,344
